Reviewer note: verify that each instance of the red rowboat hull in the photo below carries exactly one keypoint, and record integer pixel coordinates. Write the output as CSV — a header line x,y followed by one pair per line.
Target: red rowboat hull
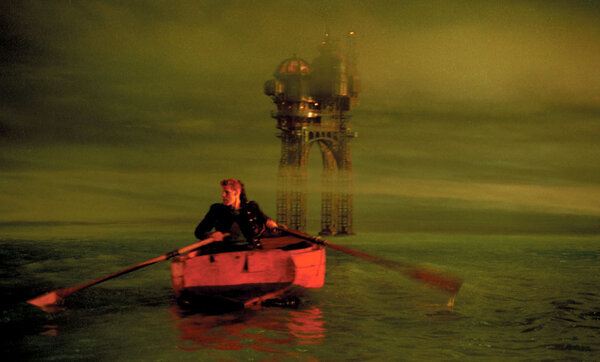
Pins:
x,y
285,265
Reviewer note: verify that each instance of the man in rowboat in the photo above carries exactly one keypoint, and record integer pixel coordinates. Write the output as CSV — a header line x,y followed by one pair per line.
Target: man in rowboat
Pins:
x,y
243,220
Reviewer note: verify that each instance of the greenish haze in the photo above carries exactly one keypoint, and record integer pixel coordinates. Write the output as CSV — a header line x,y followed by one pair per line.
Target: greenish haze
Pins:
x,y
116,111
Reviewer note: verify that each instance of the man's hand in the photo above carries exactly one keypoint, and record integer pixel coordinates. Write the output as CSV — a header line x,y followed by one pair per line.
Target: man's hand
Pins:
x,y
218,236
271,224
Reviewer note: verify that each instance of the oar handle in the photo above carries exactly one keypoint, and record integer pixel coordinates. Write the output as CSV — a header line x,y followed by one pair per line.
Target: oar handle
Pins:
x,y
302,235
191,247
320,241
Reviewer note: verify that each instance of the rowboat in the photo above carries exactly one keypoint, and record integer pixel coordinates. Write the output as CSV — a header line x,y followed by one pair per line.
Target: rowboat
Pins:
x,y
285,266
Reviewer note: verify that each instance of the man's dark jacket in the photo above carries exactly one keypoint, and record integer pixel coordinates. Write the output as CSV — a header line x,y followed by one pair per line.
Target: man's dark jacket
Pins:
x,y
250,219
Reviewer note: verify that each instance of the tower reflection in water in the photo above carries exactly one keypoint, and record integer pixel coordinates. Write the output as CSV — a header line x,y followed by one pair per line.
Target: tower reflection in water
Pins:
x,y
266,330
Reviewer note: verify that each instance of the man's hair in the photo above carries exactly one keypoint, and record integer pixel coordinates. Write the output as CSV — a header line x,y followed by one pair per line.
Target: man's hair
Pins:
x,y
236,185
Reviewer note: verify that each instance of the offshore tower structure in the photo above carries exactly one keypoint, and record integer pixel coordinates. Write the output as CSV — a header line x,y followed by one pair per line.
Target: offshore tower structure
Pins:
x,y
312,103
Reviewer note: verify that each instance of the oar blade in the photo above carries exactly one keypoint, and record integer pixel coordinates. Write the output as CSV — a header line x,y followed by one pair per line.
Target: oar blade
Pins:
x,y
444,281
441,280
50,299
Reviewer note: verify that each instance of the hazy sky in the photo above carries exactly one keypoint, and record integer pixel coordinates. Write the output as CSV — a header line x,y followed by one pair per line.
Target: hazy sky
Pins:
x,y
137,108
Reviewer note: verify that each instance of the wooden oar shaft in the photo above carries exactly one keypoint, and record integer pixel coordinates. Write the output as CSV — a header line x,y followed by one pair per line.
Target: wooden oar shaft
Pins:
x,y
119,273
441,280
57,295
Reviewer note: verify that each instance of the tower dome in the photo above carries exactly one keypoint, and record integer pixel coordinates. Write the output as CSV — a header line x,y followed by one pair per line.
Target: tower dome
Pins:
x,y
293,65
291,80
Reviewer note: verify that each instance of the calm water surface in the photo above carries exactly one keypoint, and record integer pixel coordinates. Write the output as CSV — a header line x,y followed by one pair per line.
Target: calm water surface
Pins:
x,y
524,298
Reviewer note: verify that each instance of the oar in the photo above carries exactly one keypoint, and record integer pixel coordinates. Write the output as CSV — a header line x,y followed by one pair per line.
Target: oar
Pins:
x,y
56,296
441,280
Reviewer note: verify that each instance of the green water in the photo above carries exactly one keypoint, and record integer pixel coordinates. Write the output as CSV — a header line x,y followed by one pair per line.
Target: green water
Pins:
x,y
523,298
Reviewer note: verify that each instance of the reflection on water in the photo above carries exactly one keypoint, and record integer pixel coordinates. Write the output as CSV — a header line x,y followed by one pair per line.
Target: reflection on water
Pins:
x,y
50,330
307,326
270,330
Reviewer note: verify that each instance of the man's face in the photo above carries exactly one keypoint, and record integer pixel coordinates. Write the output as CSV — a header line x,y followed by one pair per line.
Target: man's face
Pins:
x,y
230,195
